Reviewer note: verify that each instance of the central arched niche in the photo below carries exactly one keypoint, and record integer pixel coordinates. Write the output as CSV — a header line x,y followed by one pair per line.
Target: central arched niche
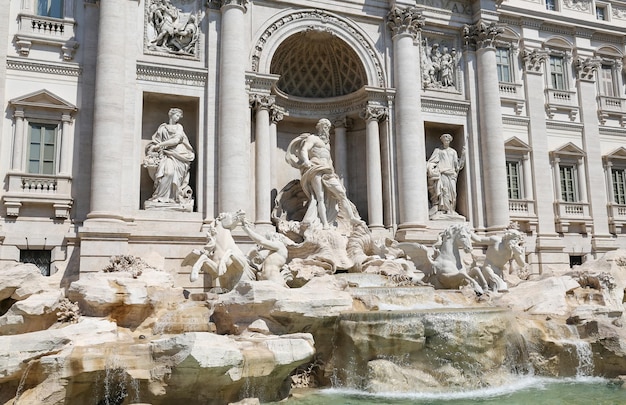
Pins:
x,y
321,75
317,64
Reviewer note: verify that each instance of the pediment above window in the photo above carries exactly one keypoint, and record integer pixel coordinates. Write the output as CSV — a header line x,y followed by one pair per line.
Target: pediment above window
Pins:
x,y
43,99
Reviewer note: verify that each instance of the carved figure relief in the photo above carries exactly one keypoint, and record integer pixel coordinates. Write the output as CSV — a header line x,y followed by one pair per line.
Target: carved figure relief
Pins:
x,y
172,28
168,159
439,66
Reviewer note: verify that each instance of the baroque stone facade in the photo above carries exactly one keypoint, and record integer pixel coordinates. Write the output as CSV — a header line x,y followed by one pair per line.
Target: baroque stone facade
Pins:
x,y
533,91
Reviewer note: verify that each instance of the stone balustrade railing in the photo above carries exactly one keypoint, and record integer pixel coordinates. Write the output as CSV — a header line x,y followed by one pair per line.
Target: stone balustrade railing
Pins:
x,y
612,104
561,97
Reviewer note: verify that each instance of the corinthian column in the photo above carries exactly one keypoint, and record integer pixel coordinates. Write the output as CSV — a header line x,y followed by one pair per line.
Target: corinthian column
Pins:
x,y
405,25
483,35
261,105
108,127
233,137
341,149
586,74
277,114
372,115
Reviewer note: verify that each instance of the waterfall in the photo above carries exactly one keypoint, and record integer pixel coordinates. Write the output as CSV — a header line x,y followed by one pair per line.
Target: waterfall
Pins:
x,y
584,354
585,359
118,385
20,387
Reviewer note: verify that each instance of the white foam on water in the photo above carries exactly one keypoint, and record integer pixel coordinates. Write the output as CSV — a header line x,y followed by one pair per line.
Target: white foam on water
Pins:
x,y
518,384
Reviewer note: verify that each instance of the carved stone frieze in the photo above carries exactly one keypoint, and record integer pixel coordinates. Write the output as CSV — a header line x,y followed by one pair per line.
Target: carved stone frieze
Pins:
x,y
577,5
56,69
439,64
172,27
586,68
169,75
619,13
407,20
322,17
482,34
446,107
534,59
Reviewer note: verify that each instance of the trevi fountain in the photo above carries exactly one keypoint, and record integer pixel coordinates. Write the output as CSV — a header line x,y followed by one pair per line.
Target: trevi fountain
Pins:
x,y
321,311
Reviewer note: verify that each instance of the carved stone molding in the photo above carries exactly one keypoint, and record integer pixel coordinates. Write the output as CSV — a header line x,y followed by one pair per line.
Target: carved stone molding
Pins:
x,y
482,34
577,5
153,73
445,107
39,67
342,122
586,68
407,20
261,101
373,112
534,60
323,18
218,4
277,113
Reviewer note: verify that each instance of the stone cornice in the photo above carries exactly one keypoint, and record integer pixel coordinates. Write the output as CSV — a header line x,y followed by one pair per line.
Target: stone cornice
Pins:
x,y
447,107
551,124
517,121
159,73
612,131
55,69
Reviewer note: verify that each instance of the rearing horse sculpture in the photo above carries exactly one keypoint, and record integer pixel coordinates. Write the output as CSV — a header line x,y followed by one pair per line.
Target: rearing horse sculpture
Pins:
x,y
221,257
444,268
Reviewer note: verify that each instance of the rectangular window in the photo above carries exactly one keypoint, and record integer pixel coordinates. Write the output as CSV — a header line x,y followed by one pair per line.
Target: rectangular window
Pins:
x,y
600,13
40,258
551,5
503,62
514,180
607,87
42,148
568,183
557,73
619,186
50,8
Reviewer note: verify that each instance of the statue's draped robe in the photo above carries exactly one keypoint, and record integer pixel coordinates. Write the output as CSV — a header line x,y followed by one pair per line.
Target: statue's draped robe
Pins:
x,y
443,168
171,179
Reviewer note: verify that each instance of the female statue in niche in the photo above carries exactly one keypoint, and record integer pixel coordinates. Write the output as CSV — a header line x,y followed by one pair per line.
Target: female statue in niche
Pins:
x,y
442,169
168,159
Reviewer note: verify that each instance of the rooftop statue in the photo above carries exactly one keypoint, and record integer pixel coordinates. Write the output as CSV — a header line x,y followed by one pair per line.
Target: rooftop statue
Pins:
x,y
327,196
168,160
442,170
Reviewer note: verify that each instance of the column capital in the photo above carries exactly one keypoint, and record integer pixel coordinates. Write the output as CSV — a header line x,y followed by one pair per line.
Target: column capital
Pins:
x,y
373,113
586,68
534,60
277,113
342,122
261,101
66,118
482,34
405,21
219,4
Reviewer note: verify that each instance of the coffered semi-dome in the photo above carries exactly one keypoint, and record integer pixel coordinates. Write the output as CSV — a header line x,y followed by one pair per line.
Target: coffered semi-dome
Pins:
x,y
317,64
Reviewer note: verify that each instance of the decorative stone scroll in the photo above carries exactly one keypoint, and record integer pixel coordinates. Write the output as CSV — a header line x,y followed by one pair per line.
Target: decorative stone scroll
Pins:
x,y
405,21
586,68
373,112
482,34
261,101
172,27
577,5
217,4
534,59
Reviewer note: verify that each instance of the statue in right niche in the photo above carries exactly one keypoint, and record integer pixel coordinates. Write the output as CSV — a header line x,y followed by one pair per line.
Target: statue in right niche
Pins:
x,y
168,160
442,170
